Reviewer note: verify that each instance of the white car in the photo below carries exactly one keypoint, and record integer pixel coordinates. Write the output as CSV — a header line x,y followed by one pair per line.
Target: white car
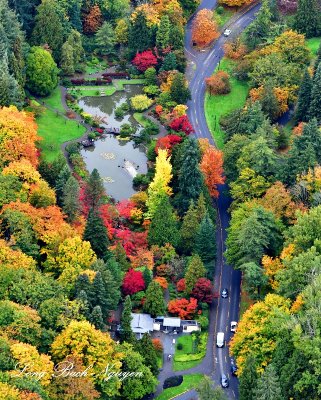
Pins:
x,y
227,32
233,326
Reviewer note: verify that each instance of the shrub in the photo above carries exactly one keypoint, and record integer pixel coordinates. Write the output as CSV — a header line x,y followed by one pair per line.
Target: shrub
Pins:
x,y
126,130
140,102
140,180
72,148
119,113
158,345
219,10
218,83
173,381
180,346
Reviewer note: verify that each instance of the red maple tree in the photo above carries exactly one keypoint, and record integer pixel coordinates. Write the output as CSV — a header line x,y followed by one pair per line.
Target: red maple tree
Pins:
x,y
203,290
184,308
181,285
133,282
182,124
144,60
167,143
212,168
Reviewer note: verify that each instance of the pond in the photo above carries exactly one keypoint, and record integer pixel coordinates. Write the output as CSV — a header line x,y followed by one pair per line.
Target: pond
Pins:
x,y
117,161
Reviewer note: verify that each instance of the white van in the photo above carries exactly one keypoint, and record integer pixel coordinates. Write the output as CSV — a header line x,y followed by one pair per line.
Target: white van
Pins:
x,y
220,339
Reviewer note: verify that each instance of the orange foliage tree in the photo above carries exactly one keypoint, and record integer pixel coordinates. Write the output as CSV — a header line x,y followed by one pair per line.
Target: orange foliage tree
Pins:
x,y
212,168
184,308
93,20
271,267
218,83
204,29
143,258
235,50
162,282
235,3
282,96
18,135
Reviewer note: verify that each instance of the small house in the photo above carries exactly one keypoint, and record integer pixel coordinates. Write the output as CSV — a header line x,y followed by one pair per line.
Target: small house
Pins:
x,y
141,323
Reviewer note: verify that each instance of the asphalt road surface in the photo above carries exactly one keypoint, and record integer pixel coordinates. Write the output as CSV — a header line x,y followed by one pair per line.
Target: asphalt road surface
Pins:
x,y
200,66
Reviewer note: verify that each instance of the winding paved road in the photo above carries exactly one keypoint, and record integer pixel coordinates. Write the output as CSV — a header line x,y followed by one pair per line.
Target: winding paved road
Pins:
x,y
200,66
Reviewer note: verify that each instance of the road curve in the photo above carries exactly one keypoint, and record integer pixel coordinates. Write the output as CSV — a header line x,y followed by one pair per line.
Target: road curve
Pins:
x,y
200,66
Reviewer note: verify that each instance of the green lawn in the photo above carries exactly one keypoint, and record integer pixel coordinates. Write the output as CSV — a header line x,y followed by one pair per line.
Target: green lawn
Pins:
x,y
313,44
56,130
219,105
187,342
226,15
142,120
54,100
189,382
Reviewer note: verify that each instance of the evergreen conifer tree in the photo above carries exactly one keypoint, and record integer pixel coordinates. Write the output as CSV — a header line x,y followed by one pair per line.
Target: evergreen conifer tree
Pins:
x,y
205,243
63,177
318,59
307,18
154,303
94,190
96,318
163,228
98,294
163,33
127,334
179,91
195,270
248,380
315,107
147,350
121,257
96,234
189,229
169,62
268,386
139,35
304,99
147,277
67,59
84,304
70,199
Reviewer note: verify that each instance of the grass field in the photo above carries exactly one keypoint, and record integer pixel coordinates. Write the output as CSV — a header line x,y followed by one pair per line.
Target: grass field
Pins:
x,y
54,100
219,105
313,44
226,14
187,342
189,382
55,130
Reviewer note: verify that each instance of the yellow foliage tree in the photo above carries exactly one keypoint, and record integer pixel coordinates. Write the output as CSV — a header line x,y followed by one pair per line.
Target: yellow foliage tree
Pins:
x,y
152,15
14,259
41,195
18,135
179,110
257,332
159,187
24,170
27,356
74,256
166,85
95,349
271,267
121,31
8,392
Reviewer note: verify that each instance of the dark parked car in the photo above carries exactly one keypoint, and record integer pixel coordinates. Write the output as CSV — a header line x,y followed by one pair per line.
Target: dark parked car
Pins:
x,y
233,367
224,293
224,381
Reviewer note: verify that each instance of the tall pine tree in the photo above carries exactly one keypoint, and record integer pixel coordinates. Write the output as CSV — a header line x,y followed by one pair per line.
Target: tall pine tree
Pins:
x,y
94,190
127,334
96,234
205,243
139,35
308,19
163,33
268,385
304,99
189,229
248,380
70,199
147,350
154,303
315,107
163,228
195,270
190,177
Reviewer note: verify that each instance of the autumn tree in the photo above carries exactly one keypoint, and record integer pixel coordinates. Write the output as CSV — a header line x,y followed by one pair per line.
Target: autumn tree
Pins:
x,y
182,124
145,60
203,291
204,29
195,270
212,168
133,282
218,83
93,20
185,309
159,187
154,303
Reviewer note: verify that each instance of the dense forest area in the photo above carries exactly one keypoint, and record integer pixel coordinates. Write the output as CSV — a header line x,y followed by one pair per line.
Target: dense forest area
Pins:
x,y
75,262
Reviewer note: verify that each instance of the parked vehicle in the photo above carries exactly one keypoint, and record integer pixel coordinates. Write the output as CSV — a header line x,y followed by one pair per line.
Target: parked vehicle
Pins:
x,y
227,32
233,326
224,381
233,367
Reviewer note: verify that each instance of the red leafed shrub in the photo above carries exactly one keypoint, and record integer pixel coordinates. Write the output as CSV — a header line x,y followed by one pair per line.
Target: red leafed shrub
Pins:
x,y
218,83
181,285
158,345
133,282
167,143
109,215
124,208
203,291
184,308
144,60
182,124
131,241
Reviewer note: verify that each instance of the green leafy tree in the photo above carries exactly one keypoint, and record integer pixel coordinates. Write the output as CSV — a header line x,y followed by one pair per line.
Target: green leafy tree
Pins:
x,y
269,102
163,33
177,37
304,99
147,350
190,178
147,277
315,107
254,279
205,241
151,76
163,228
248,380
195,270
135,387
105,39
232,151
67,59
75,41
96,234
248,185
127,334
10,186
179,90
48,27
307,19
70,199
154,303
121,257
41,72
268,385
206,391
